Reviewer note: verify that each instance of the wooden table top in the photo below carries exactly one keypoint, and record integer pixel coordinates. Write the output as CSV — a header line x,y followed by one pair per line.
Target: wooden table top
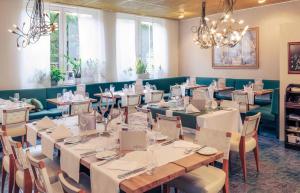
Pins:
x,y
224,89
263,92
60,103
161,175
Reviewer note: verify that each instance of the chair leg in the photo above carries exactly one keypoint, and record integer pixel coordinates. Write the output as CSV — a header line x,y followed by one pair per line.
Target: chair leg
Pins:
x,y
4,174
256,155
11,182
16,188
243,156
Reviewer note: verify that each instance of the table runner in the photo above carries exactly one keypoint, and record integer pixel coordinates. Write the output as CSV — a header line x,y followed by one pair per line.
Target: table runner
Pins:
x,y
108,177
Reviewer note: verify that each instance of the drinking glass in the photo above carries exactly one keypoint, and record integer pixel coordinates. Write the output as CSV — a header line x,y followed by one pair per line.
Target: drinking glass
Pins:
x,y
59,97
152,159
65,111
112,88
87,95
16,97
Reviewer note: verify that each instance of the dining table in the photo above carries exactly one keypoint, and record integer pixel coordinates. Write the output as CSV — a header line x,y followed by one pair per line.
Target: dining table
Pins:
x,y
227,119
120,94
172,161
57,102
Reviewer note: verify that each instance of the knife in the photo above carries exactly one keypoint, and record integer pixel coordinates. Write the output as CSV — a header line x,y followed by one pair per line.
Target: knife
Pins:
x,y
121,176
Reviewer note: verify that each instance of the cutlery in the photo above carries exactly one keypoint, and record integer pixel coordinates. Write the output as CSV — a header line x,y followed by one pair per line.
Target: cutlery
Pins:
x,y
169,142
121,176
110,159
88,153
194,149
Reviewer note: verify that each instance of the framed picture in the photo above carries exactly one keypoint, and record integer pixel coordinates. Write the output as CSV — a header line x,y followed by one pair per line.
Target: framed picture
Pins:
x,y
294,57
244,55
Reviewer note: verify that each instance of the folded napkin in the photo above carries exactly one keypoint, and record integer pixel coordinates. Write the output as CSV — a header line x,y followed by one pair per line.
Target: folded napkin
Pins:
x,y
162,103
45,123
211,91
191,109
60,132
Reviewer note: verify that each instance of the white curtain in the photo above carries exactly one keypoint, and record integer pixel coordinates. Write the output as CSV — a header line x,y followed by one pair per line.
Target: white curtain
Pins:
x,y
91,45
125,48
160,49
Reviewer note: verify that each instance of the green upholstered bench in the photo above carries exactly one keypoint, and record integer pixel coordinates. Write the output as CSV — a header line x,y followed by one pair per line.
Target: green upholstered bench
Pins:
x,y
270,113
205,80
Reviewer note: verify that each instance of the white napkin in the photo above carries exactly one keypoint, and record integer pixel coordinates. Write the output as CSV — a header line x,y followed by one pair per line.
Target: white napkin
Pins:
x,y
60,132
211,91
47,146
148,97
31,135
251,97
169,113
191,109
70,163
45,123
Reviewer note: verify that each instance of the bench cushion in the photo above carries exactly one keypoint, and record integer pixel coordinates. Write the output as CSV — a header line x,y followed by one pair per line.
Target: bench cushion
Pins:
x,y
54,112
266,113
205,80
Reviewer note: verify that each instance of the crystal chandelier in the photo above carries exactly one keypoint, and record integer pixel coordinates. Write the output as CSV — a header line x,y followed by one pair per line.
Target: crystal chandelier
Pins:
x,y
225,32
40,25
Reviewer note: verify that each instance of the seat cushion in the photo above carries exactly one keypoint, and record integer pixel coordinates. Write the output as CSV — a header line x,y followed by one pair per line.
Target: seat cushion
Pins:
x,y
6,163
250,143
265,111
37,104
206,179
16,132
54,112
243,108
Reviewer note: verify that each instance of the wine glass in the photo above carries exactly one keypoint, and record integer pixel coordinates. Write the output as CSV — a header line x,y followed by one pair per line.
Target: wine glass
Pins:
x,y
83,127
65,111
16,97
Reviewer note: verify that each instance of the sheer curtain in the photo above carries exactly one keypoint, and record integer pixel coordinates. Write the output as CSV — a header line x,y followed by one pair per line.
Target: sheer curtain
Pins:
x,y
125,47
91,45
160,49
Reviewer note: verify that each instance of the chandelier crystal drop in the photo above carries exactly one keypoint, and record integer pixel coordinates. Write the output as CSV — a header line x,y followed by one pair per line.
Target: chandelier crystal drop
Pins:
x,y
224,32
40,24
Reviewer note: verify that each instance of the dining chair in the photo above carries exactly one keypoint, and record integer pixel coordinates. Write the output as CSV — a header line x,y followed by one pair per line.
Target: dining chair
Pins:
x,y
169,126
42,182
200,94
229,104
80,107
69,186
142,117
14,122
207,179
243,100
8,165
247,141
175,91
157,96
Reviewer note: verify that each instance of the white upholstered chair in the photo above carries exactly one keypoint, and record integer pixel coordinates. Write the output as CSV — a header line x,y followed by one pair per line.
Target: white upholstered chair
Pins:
x,y
80,107
169,126
175,91
154,96
142,118
69,186
14,122
247,141
229,104
208,179
200,94
243,100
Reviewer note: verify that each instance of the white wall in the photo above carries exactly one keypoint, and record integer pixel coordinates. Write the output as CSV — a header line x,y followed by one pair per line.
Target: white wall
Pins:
x,y
288,33
21,68
197,62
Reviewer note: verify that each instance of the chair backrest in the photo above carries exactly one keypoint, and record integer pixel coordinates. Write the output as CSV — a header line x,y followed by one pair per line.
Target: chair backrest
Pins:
x,y
143,117
251,124
175,91
240,97
6,148
169,126
40,176
229,104
19,154
66,186
215,138
200,93
15,117
133,100
80,107
156,96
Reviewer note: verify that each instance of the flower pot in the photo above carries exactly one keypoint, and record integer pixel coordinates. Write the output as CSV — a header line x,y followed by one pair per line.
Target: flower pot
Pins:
x,y
54,83
143,76
78,80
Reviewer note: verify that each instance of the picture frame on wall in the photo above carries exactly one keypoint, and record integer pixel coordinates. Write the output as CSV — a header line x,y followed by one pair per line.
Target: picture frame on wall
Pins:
x,y
294,57
244,55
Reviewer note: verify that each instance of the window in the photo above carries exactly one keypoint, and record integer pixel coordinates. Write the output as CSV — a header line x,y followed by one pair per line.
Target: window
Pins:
x,y
146,44
54,40
72,36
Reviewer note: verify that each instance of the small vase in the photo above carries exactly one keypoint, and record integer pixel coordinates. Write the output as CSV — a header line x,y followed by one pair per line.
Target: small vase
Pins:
x,y
143,76
53,83
77,80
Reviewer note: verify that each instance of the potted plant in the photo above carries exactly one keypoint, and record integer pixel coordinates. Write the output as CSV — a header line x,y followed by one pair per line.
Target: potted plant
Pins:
x,y
76,67
56,75
141,69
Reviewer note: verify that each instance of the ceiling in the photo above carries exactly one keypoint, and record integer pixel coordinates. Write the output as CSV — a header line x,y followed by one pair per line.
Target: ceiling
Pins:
x,y
171,9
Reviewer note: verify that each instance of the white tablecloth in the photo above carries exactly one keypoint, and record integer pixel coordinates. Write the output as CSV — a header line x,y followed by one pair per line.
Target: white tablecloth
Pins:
x,y
109,177
225,120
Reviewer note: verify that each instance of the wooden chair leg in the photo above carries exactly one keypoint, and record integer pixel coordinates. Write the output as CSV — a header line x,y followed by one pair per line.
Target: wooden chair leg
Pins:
x,y
11,182
242,153
256,155
16,188
4,174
